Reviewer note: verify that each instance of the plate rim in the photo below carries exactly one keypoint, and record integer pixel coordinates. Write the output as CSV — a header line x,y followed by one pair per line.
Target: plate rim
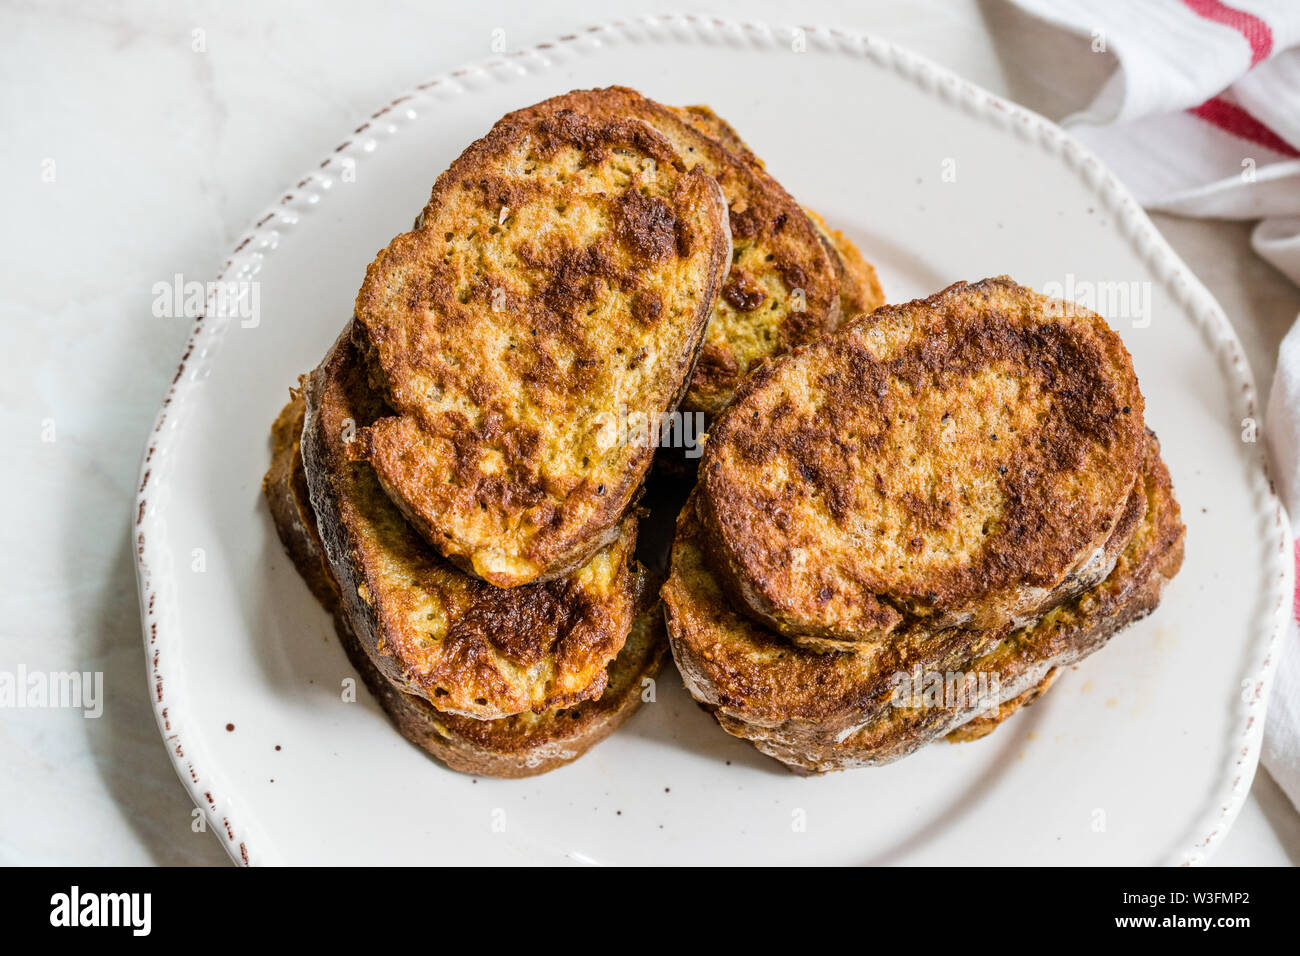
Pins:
x,y
153,557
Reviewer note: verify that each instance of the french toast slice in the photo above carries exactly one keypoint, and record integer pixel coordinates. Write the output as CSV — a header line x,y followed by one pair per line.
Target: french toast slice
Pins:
x,y
756,674
859,286
519,746
860,291
827,711
704,119
434,631
782,288
550,301
960,460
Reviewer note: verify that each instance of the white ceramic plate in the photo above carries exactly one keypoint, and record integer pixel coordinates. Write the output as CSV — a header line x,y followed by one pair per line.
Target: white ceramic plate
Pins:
x,y
1141,755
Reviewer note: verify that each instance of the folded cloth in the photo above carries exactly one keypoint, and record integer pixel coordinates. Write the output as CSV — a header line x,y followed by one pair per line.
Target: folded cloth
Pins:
x,y
1201,117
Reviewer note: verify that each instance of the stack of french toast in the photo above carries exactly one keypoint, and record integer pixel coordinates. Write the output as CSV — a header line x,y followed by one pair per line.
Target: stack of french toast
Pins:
x,y
961,486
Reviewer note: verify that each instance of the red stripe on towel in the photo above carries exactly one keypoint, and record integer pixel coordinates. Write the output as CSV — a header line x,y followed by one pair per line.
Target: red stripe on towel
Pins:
x,y
1295,603
1233,119
1257,33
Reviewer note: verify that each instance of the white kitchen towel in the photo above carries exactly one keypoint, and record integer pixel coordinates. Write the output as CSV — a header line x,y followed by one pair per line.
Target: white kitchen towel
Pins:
x,y
1201,117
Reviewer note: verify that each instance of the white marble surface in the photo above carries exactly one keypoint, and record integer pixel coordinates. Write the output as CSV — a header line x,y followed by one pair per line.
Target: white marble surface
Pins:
x,y
162,155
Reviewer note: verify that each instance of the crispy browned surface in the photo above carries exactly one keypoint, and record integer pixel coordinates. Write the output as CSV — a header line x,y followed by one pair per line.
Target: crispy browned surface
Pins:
x,y
859,287
468,647
860,290
775,251
518,746
285,488
957,460
711,124
977,728
759,683
1064,637
526,744
560,277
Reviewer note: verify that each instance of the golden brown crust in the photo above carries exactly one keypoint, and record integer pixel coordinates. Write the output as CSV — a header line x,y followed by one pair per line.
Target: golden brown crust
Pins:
x,y
977,728
558,282
781,290
519,746
957,460
1100,565
747,671
1063,637
711,124
468,647
285,489
859,286
860,291
526,744
836,707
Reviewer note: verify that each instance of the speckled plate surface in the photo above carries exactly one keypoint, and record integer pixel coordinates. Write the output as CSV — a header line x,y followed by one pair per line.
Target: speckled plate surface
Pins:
x,y
1143,754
